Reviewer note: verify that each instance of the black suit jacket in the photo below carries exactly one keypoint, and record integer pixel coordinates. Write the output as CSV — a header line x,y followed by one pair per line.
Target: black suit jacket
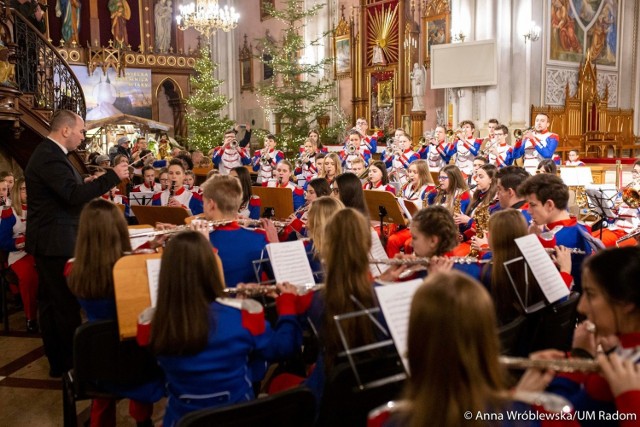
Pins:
x,y
56,196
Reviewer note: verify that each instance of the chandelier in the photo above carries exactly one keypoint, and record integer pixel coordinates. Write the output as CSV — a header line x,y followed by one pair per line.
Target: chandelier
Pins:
x,y
206,17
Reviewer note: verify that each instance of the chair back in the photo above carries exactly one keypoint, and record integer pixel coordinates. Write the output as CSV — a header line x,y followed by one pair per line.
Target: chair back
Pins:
x,y
345,403
510,335
556,325
100,356
291,408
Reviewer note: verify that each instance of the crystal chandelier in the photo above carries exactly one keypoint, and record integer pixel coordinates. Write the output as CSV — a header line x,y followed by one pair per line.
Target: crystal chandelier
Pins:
x,y
206,16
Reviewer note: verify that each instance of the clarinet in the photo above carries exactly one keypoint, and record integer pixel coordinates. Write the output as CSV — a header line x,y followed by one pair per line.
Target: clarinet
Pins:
x,y
172,191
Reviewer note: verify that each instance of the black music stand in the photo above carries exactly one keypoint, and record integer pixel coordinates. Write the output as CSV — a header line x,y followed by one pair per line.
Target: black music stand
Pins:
x,y
600,199
141,198
384,206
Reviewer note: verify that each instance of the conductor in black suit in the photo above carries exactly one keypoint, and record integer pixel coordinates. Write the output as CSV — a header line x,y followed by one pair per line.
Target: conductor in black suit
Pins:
x,y
57,194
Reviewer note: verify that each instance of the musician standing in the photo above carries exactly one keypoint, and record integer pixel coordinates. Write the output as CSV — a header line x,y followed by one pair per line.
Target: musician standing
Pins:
x,y
227,156
500,153
265,160
435,152
369,142
354,148
465,148
57,194
398,161
538,144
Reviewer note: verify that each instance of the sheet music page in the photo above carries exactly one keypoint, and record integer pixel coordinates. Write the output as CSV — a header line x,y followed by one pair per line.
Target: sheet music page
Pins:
x,y
395,302
141,198
153,272
542,267
403,206
290,263
377,252
136,242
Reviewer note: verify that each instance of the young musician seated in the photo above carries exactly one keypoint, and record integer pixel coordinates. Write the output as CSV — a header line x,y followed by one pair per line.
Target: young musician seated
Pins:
x,y
399,160
297,223
264,161
415,190
574,159
4,194
548,198
282,179
483,198
149,185
314,137
332,167
348,189
508,180
320,165
226,157
102,240
456,378
436,150
163,179
359,168
547,166
13,225
452,193
251,203
537,144
611,303
320,213
177,195
190,181
237,246
205,342
115,197
353,149
7,176
465,147
378,179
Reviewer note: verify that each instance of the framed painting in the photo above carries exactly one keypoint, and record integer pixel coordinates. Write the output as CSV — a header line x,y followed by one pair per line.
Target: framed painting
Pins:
x,y
246,66
342,50
436,30
265,7
406,124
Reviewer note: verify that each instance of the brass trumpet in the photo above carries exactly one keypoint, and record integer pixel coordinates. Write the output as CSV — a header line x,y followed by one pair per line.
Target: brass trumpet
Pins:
x,y
265,159
631,194
517,133
351,149
234,143
558,365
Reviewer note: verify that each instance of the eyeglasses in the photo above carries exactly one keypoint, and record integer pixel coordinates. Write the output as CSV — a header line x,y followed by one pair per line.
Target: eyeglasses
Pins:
x,y
443,178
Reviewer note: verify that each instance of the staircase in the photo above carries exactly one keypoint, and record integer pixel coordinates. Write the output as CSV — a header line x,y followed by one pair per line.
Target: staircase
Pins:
x,y
43,83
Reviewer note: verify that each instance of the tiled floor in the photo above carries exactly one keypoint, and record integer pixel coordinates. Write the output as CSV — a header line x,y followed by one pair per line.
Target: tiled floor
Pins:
x,y
28,397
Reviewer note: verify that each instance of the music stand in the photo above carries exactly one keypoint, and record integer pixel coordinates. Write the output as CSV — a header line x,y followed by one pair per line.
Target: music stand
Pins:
x,y
278,199
140,198
154,214
384,206
524,303
601,200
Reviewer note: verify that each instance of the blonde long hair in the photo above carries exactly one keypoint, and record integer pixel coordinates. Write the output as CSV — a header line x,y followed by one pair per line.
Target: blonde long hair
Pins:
x,y
320,213
454,366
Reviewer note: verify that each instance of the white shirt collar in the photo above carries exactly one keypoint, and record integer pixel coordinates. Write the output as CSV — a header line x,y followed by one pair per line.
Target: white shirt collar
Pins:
x,y
62,147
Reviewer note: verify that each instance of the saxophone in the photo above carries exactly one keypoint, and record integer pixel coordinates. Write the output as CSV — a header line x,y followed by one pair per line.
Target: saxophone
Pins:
x,y
457,203
482,224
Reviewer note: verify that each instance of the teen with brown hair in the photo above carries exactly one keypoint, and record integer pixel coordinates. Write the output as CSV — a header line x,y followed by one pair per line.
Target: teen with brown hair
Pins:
x,y
452,190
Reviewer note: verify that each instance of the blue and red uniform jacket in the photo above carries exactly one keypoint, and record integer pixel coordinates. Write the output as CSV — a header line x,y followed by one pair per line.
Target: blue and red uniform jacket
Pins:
x,y
221,373
237,248
544,143
591,392
188,199
522,206
464,199
407,157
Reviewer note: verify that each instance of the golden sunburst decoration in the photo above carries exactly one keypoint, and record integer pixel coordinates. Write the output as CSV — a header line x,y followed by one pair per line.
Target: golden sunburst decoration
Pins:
x,y
382,30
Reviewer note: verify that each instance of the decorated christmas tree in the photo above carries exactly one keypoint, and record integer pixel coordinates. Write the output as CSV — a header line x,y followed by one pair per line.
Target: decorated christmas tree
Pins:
x,y
204,107
299,91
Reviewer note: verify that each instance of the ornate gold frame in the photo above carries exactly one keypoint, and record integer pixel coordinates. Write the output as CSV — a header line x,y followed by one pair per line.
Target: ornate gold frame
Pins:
x,y
434,23
342,49
246,66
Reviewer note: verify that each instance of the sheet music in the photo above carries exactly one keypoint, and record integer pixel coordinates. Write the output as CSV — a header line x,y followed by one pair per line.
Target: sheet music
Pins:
x,y
395,302
153,272
141,198
543,268
377,252
136,242
403,206
290,263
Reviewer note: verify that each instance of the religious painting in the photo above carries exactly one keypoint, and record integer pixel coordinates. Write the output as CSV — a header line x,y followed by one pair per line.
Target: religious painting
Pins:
x,y
382,34
109,95
580,27
381,102
406,124
342,49
436,31
246,66
265,6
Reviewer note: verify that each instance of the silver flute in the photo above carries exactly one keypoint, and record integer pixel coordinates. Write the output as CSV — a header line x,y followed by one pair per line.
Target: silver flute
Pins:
x,y
267,289
558,365
427,261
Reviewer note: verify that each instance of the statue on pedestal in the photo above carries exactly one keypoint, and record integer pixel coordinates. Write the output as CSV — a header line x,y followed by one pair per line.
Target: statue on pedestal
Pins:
x,y
418,80
163,13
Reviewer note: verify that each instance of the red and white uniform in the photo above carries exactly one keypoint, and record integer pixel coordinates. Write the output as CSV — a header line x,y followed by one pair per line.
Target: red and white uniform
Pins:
x,y
576,163
379,187
465,152
227,158
265,171
142,188
409,193
435,155
188,199
307,171
503,158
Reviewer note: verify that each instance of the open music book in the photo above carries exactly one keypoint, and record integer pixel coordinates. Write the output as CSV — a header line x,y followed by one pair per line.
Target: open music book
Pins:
x,y
395,302
377,252
290,263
